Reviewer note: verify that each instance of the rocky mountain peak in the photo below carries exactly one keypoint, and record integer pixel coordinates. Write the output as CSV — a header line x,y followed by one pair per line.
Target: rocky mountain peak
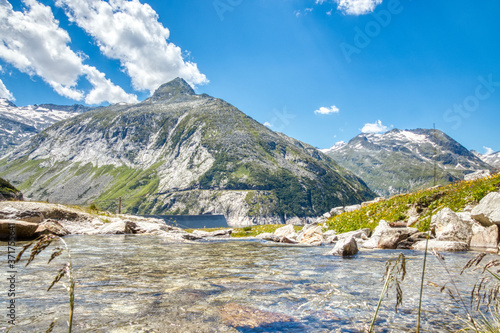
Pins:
x,y
176,88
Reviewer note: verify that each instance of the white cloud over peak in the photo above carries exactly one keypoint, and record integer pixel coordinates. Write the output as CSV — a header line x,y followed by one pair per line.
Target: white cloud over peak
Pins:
x,y
325,110
376,127
130,32
268,124
489,151
355,7
5,93
33,42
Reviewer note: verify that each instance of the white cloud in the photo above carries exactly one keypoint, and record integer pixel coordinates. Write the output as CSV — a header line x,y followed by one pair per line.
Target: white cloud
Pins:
x,y
4,92
489,151
325,110
33,42
376,127
268,124
357,7
131,33
104,89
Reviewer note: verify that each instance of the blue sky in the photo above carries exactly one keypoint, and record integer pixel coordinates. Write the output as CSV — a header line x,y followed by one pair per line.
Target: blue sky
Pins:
x,y
320,71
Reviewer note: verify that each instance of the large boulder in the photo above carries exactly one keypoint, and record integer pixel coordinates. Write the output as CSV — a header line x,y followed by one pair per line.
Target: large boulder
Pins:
x,y
336,211
345,247
17,230
311,235
488,210
372,243
450,227
51,227
410,241
286,231
390,238
441,246
23,215
269,237
486,238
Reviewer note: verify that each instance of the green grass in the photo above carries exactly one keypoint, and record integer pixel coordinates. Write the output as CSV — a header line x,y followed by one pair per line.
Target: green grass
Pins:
x,y
455,196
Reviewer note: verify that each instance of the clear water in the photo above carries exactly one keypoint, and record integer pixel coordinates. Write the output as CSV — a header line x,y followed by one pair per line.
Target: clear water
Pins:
x,y
143,284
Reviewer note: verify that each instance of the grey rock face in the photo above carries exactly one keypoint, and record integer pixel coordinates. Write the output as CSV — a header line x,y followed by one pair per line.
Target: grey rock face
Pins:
x,y
488,210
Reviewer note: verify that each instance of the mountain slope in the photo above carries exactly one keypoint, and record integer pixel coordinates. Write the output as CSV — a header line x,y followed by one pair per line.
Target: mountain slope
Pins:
x,y
401,161
491,159
181,153
18,124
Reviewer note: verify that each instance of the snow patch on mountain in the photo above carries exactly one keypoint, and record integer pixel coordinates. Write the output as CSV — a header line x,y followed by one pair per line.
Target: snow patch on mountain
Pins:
x,y
18,124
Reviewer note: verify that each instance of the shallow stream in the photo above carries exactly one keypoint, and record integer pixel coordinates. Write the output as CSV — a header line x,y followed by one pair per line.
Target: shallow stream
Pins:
x,y
143,284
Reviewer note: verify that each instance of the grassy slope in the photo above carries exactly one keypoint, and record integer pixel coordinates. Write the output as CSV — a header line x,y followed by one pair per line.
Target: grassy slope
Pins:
x,y
6,189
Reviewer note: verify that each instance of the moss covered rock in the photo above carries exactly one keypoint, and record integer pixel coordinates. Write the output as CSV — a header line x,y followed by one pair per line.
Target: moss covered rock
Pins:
x,y
9,192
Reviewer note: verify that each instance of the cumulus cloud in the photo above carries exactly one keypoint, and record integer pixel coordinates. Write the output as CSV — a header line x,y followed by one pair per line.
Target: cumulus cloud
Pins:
x,y
376,127
326,110
357,7
489,151
5,93
268,124
130,32
33,42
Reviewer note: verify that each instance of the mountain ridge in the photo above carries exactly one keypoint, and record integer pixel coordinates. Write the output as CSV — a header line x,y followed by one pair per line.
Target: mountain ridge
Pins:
x,y
18,124
399,161
181,153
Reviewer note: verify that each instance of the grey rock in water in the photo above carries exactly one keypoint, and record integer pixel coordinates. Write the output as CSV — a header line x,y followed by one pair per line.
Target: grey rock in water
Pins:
x,y
391,238
486,238
345,247
488,210
51,227
269,237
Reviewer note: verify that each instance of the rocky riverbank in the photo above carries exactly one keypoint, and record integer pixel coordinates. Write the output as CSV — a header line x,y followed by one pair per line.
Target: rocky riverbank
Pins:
x,y
474,227
29,220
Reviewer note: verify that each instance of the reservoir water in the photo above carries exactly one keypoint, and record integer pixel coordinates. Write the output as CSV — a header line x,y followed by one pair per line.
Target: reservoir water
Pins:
x,y
139,283
193,221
